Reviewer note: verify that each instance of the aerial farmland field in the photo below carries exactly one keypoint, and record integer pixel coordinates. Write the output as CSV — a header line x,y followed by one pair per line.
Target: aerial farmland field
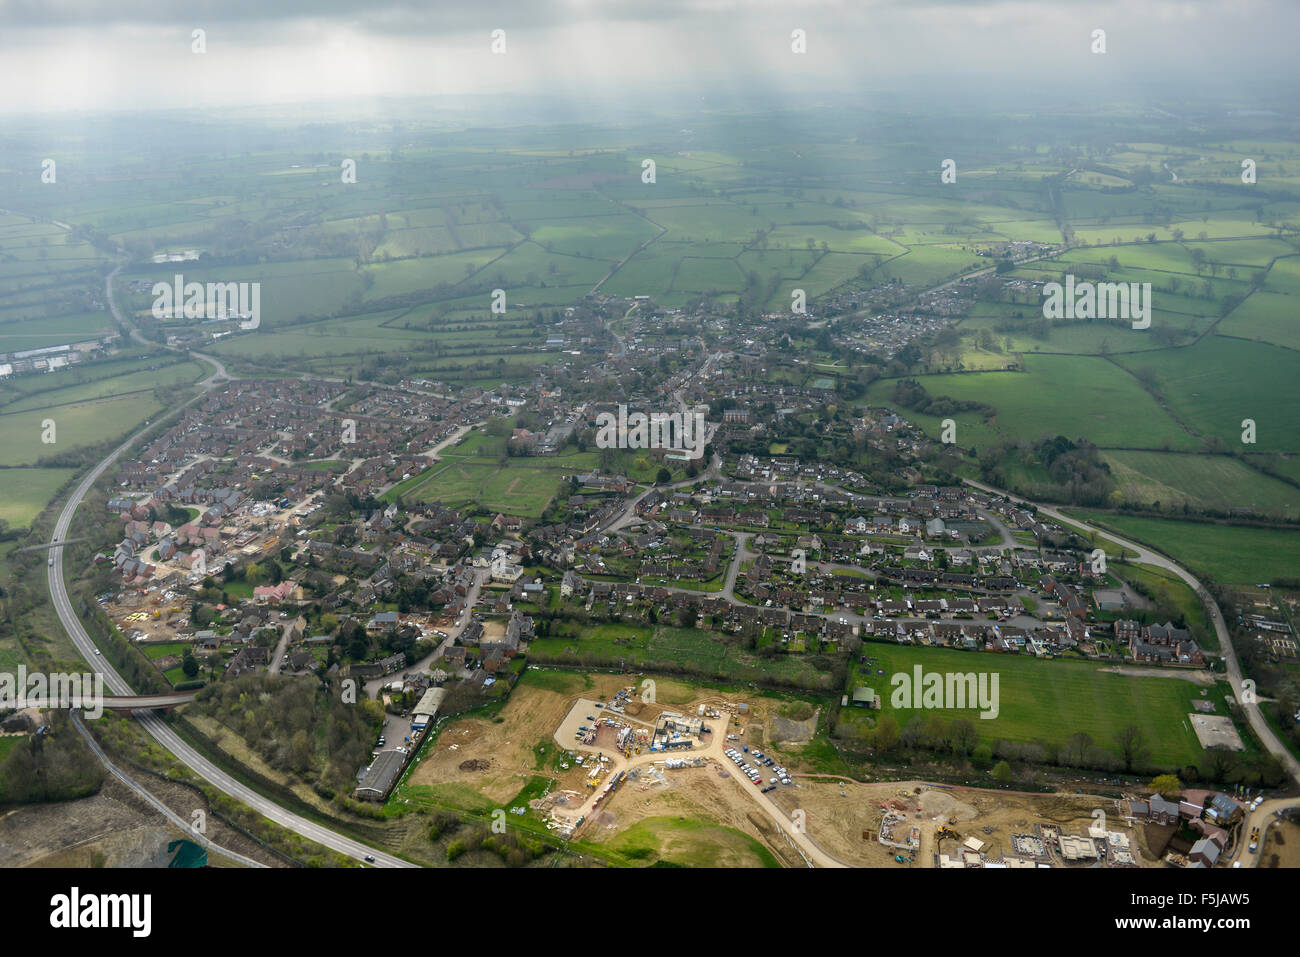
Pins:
x,y
1048,701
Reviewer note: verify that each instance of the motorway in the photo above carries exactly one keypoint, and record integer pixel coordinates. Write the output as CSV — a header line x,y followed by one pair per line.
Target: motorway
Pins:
x,y
210,772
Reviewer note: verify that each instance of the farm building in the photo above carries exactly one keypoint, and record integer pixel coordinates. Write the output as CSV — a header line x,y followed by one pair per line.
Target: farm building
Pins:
x,y
865,698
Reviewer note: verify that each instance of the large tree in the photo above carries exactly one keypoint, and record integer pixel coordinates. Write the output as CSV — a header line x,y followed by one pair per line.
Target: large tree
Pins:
x,y
1132,746
1167,786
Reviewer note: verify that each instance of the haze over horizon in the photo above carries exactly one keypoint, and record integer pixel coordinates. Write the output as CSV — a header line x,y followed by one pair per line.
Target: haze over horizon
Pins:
x,y
91,55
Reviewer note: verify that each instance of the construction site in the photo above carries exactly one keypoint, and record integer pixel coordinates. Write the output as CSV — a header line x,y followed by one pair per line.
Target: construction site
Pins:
x,y
619,764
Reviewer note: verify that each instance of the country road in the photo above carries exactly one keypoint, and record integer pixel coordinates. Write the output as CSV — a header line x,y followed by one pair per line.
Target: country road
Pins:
x,y
1146,556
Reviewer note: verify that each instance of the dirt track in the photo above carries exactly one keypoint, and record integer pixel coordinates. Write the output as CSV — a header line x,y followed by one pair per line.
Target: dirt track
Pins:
x,y
1199,676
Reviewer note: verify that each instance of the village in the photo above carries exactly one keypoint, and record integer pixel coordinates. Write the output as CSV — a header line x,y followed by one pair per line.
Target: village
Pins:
x,y
807,556
253,545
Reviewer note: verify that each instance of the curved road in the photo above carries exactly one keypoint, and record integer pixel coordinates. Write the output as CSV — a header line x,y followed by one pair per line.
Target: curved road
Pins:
x,y
151,723
200,765
159,730
1146,556
149,799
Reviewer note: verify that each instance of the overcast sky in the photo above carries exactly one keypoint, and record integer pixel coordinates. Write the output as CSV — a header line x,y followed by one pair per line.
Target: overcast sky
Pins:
x,y
58,55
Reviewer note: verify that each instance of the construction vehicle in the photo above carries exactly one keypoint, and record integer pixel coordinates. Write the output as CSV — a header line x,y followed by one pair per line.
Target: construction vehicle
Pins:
x,y
947,832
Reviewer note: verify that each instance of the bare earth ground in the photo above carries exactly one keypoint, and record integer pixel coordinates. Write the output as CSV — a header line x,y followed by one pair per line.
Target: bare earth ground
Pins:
x,y
115,824
1213,730
1199,676
482,763
837,823
697,794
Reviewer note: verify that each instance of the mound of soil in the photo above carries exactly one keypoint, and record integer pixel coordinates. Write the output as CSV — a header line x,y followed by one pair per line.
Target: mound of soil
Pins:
x,y
475,764
943,803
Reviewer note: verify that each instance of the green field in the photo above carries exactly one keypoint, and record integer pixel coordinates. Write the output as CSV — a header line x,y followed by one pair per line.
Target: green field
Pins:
x,y
25,492
668,648
17,333
1231,554
104,381
1267,317
154,652
515,491
1049,700
1056,395
1219,382
1204,481
688,843
76,425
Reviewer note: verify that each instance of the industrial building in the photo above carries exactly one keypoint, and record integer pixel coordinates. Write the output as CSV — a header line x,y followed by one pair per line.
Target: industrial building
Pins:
x,y
378,779
422,714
